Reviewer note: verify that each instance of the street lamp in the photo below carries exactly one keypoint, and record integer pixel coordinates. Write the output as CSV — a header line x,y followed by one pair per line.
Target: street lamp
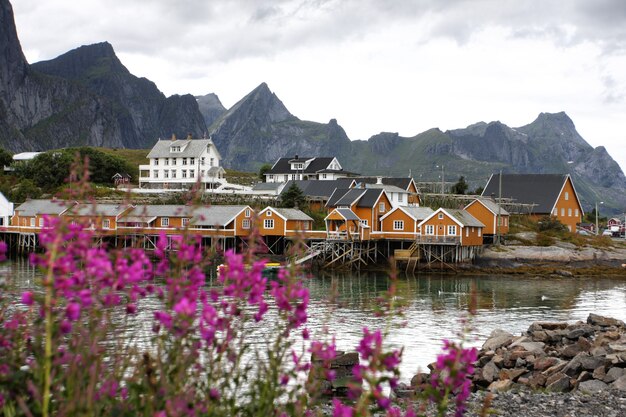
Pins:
x,y
442,179
597,216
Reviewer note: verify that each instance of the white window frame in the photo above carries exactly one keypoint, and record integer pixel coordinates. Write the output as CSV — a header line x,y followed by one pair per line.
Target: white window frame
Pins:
x,y
247,213
451,230
173,173
480,231
245,224
364,222
192,173
184,161
166,173
166,161
185,221
440,216
32,222
381,207
562,211
576,212
106,224
211,161
156,161
429,229
270,176
268,223
400,198
184,174
569,212
202,160
398,225
41,222
192,161
467,232
174,161
155,173
268,213
165,221
566,196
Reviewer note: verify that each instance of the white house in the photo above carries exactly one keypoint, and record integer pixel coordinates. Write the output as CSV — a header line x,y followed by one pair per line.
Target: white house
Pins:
x,y
306,168
179,164
6,211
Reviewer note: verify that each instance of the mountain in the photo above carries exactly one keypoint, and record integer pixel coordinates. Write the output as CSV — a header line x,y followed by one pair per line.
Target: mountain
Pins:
x,y
210,107
259,129
83,97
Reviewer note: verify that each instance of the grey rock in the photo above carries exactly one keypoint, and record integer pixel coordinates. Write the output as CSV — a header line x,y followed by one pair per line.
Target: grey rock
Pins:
x,y
499,386
558,383
490,372
597,320
592,386
497,339
620,384
614,374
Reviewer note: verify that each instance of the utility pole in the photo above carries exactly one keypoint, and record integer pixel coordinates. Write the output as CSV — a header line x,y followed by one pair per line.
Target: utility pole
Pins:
x,y
442,182
499,219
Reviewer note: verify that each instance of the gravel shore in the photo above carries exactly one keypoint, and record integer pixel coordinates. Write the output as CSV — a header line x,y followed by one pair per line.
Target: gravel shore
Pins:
x,y
533,404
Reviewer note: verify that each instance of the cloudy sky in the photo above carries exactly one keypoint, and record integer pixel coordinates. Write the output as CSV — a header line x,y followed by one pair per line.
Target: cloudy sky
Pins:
x,y
375,65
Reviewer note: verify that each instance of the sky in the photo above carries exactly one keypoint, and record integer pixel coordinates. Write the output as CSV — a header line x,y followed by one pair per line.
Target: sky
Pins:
x,y
374,65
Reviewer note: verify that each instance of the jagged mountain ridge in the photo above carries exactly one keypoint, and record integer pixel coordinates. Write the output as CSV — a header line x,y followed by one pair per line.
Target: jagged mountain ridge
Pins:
x,y
83,97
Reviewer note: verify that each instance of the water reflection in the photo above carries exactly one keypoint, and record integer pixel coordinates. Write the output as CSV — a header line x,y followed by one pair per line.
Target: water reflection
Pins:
x,y
434,304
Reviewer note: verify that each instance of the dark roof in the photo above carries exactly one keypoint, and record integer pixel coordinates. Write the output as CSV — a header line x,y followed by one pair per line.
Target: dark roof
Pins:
x,y
338,171
344,197
540,189
370,197
400,182
317,188
283,165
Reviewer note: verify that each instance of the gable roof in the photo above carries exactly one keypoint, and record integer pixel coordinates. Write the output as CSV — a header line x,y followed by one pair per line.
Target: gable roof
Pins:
x,y
459,216
292,214
193,148
370,197
344,197
146,213
416,213
97,209
215,215
34,207
346,213
316,188
540,189
490,205
400,182
283,165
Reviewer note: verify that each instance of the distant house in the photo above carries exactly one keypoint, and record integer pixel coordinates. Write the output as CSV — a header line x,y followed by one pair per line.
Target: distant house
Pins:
x,y
317,192
179,164
283,222
121,178
32,213
614,221
408,197
6,211
306,168
21,159
369,205
487,212
538,195
452,226
402,222
99,216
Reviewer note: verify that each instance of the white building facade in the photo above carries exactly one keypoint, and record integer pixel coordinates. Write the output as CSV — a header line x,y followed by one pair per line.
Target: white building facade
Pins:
x,y
306,168
179,164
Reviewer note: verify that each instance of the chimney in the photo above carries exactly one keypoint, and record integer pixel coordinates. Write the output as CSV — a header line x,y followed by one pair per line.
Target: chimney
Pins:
x,y
379,180
296,157
173,136
189,137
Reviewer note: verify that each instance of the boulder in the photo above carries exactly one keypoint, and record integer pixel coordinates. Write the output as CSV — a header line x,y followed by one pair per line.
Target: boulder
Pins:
x,y
542,364
500,386
558,382
592,386
597,320
620,384
497,339
490,372
614,374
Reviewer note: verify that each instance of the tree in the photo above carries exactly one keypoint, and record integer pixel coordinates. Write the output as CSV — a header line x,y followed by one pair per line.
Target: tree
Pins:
x,y
6,158
264,168
460,187
293,197
479,190
24,190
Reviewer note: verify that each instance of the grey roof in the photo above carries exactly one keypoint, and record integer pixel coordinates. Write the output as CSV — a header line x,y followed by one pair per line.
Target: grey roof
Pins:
x,y
418,213
388,188
34,207
215,170
344,197
540,189
400,182
348,214
492,206
147,213
317,188
292,214
98,209
193,148
215,215
464,218
283,165
267,186
370,197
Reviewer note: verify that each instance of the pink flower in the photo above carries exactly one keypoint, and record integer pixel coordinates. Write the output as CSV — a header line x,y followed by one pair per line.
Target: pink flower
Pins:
x,y
340,410
72,311
28,298
185,307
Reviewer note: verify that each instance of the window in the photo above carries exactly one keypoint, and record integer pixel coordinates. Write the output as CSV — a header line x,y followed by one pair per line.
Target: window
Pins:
x,y
166,174
192,173
155,174
480,231
555,211
202,160
400,197
440,216
185,221
174,148
202,173
184,173
398,225
32,222
381,207
364,223
41,222
211,161
451,230
294,177
192,161
467,232
173,173
576,213
165,222
173,161
106,224
271,176
562,211
268,223
297,166
268,213
156,161
245,223
323,176
430,229
184,161
569,212
166,161
286,177
247,213
566,196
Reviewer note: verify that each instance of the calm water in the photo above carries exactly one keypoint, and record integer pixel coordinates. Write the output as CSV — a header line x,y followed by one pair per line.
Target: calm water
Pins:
x,y
434,305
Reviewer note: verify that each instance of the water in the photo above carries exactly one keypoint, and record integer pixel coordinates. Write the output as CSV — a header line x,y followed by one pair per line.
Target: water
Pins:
x,y
434,305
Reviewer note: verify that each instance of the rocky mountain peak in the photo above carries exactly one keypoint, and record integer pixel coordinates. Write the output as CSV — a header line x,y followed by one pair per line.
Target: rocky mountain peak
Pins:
x,y
14,65
84,63
211,107
554,127
262,103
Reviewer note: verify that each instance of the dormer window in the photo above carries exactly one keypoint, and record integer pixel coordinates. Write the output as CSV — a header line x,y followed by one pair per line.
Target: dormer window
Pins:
x,y
174,148
299,165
